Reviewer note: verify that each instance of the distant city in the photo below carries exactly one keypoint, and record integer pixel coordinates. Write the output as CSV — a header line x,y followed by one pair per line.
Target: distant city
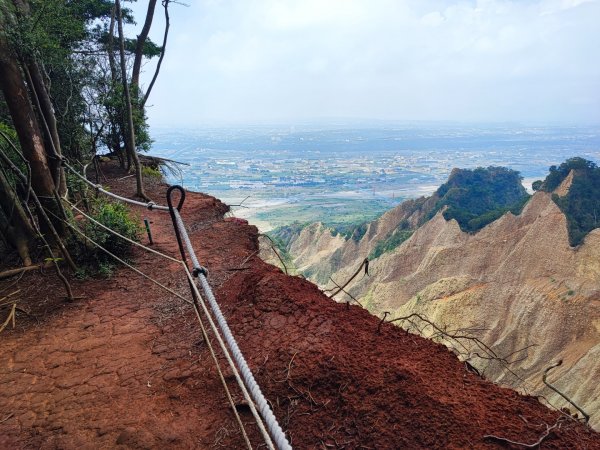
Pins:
x,y
339,174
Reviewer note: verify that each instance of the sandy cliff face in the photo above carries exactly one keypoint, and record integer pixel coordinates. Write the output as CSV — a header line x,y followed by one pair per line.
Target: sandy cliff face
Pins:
x,y
516,283
318,254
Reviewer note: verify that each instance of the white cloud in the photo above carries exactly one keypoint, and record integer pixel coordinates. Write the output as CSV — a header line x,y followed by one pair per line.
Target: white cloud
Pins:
x,y
412,59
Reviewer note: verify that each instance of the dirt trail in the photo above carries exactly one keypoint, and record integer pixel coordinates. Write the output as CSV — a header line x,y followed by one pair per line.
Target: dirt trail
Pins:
x,y
126,367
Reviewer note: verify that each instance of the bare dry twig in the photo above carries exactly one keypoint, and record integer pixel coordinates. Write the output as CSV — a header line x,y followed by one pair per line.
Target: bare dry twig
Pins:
x,y
522,444
364,264
344,291
544,379
488,352
276,252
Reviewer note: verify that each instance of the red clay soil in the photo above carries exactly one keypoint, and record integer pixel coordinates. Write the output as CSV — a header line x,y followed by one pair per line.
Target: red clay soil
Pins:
x,y
126,366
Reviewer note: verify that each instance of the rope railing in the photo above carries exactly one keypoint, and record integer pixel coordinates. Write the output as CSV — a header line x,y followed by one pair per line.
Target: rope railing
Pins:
x,y
200,272
204,333
148,205
246,381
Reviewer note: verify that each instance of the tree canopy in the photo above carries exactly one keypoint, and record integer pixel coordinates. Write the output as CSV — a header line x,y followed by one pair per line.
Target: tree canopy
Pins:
x,y
581,204
476,197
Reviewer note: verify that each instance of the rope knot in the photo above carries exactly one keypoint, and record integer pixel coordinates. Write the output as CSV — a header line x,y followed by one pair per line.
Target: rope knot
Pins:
x,y
200,270
150,205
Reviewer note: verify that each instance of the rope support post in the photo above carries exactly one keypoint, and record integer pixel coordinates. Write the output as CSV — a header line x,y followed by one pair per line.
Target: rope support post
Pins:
x,y
148,231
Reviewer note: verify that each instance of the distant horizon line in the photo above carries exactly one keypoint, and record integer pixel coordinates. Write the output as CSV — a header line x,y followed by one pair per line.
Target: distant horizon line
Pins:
x,y
348,122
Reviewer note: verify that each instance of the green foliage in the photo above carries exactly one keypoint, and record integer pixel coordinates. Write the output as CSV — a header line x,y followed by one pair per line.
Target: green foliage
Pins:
x,y
285,234
11,134
151,172
116,217
558,174
349,230
581,205
390,243
475,198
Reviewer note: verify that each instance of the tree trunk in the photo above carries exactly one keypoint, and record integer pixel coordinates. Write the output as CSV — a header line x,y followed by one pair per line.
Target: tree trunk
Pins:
x,y
139,48
16,226
25,121
41,98
111,47
162,54
27,128
130,134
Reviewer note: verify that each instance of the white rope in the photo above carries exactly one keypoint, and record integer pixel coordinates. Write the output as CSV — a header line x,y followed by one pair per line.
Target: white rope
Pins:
x,y
274,428
205,336
214,328
246,394
271,421
149,205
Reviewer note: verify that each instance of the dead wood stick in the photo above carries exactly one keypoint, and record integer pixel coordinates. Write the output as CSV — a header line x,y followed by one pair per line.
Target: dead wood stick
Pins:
x,y
276,252
13,272
340,289
585,415
522,444
345,292
10,295
11,317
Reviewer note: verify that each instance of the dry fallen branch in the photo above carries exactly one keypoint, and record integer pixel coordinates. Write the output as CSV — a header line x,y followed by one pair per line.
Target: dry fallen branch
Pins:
x,y
544,379
522,444
385,314
7,417
241,204
488,352
345,292
364,264
10,295
20,270
11,317
276,252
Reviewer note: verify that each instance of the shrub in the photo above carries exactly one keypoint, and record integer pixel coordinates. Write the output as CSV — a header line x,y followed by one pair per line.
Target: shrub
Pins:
x,y
151,172
117,217
390,243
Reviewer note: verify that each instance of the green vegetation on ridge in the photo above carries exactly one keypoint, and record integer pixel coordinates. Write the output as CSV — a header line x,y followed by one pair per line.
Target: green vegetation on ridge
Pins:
x,y
475,198
581,204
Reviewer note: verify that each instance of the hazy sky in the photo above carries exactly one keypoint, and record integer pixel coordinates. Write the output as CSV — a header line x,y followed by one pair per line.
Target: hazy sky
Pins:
x,y
292,60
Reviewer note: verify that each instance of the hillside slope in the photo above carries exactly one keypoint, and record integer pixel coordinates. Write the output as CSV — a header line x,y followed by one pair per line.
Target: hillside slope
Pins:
x,y
126,368
515,284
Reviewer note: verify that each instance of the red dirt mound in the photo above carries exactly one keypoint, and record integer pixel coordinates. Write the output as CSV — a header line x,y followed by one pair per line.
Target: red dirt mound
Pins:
x,y
126,366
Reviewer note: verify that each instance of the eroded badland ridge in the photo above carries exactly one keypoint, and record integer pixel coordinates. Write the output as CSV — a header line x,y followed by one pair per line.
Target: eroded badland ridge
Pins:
x,y
516,284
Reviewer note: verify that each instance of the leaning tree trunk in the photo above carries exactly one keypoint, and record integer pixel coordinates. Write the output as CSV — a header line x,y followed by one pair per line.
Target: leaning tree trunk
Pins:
x,y
130,129
42,99
139,48
15,224
25,122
